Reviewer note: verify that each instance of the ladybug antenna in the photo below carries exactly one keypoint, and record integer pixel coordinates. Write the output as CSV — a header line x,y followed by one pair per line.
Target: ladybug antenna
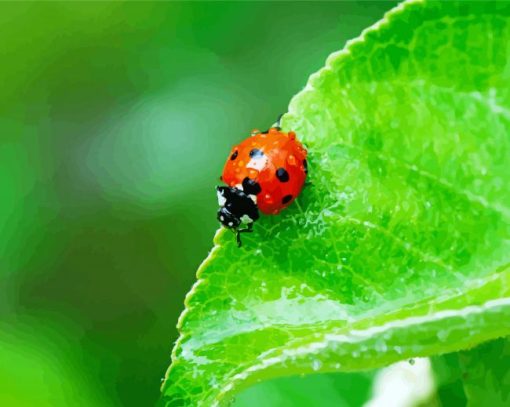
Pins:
x,y
276,124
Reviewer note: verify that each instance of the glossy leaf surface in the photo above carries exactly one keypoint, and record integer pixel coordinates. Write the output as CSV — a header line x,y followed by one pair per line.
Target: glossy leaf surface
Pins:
x,y
401,245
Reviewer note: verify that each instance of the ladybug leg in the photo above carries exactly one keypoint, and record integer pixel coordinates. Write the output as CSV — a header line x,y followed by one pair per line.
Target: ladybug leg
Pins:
x,y
248,229
305,166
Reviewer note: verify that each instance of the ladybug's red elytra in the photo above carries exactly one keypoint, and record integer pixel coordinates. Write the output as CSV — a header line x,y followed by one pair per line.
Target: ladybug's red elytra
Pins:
x,y
265,172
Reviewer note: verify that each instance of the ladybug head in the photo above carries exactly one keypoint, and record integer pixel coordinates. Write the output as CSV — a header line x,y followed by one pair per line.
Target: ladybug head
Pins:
x,y
227,218
236,207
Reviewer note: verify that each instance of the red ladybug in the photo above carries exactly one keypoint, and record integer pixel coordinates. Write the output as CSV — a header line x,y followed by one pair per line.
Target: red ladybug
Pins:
x,y
265,172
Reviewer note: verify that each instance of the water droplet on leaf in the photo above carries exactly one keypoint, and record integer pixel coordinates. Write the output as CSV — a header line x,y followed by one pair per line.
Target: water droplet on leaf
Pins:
x,y
316,364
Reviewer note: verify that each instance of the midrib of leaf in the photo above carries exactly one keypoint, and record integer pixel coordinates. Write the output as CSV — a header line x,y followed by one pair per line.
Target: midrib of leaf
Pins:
x,y
375,331
476,291
347,357
389,341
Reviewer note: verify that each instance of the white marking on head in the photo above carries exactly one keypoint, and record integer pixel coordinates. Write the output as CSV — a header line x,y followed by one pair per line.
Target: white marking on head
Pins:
x,y
253,198
222,218
246,219
221,199
230,224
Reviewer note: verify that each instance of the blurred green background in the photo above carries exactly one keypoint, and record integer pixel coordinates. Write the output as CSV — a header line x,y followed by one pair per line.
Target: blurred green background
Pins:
x,y
115,121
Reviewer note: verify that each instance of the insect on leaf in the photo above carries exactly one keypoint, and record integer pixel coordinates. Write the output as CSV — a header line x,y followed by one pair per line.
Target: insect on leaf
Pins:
x,y
401,245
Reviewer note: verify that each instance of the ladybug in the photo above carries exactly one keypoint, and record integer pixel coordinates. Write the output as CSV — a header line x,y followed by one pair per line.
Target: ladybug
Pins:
x,y
265,173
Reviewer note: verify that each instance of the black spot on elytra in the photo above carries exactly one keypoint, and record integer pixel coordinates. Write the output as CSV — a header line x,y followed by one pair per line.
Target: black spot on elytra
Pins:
x,y
282,175
256,153
286,199
251,187
234,155
305,164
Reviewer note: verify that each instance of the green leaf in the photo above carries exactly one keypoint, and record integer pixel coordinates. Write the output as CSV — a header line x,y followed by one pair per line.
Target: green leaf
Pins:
x,y
323,390
448,379
401,245
486,373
